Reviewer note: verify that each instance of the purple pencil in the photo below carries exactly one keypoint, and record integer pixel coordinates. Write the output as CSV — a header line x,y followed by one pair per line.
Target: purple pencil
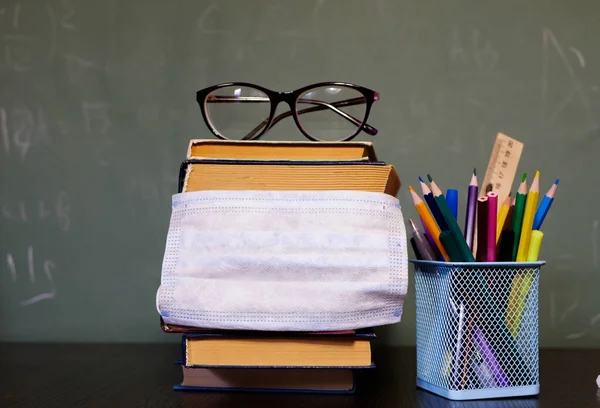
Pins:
x,y
470,216
437,253
489,356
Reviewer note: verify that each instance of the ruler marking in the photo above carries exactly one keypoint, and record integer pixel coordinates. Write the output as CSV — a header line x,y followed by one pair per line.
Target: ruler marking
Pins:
x,y
502,167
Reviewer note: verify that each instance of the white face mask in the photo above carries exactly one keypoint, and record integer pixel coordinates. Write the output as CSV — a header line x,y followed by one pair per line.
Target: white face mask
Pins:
x,y
284,260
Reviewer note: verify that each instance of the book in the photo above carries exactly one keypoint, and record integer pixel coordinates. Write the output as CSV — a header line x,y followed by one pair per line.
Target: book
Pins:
x,y
268,380
199,175
258,350
273,150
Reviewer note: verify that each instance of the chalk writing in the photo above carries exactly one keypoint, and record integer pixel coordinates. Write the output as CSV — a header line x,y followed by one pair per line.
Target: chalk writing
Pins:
x,y
569,315
58,209
97,124
575,90
22,128
63,210
49,266
11,266
16,13
65,21
206,17
19,50
77,67
17,53
4,131
579,56
477,49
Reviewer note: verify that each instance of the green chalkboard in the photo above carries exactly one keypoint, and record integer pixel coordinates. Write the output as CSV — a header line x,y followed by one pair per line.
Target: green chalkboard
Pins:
x,y
98,103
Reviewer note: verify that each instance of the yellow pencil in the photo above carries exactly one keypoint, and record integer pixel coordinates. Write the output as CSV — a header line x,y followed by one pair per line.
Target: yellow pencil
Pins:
x,y
528,215
429,222
520,287
502,216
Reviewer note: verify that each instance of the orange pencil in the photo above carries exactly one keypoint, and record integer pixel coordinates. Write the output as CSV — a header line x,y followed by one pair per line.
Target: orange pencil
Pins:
x,y
430,224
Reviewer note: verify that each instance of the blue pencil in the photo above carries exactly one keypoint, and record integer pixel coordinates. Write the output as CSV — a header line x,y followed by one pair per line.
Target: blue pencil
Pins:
x,y
433,207
544,207
452,199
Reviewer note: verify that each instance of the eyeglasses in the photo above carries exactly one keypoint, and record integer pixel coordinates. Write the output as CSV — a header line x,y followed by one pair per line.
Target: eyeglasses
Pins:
x,y
326,111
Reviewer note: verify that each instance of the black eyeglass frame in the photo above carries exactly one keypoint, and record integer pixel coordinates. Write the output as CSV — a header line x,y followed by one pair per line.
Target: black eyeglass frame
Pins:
x,y
291,98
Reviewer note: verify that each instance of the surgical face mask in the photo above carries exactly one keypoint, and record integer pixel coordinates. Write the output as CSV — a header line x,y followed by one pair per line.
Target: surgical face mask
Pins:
x,y
284,260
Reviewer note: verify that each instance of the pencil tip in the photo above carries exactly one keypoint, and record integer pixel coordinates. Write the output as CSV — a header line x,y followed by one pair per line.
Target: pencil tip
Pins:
x,y
411,188
556,182
474,171
429,178
420,179
537,174
524,177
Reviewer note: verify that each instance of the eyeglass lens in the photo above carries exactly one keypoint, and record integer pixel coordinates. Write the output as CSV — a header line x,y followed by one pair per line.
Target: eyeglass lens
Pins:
x,y
238,112
331,112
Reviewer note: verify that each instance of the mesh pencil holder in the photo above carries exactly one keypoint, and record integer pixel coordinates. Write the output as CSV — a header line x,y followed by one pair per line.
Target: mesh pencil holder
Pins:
x,y
477,328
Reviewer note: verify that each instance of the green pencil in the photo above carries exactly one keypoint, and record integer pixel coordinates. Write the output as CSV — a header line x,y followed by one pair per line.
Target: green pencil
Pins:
x,y
520,202
459,239
448,241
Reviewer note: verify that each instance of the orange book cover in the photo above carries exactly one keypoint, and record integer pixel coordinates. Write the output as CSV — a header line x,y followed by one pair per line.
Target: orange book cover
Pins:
x,y
201,175
274,150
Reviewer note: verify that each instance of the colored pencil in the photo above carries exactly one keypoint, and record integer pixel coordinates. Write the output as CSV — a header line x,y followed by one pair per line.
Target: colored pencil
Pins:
x,y
415,249
502,216
430,224
452,199
509,218
422,245
534,246
489,356
520,200
450,245
505,245
433,207
520,288
432,244
544,207
492,225
506,242
482,226
470,214
451,221
529,213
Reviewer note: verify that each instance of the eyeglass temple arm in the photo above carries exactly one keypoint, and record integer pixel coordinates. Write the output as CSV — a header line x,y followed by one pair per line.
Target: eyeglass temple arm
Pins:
x,y
320,106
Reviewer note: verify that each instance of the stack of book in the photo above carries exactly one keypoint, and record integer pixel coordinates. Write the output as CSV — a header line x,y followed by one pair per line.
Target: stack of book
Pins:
x,y
278,361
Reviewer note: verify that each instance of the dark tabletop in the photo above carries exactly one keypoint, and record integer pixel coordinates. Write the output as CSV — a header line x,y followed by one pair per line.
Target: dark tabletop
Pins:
x,y
63,375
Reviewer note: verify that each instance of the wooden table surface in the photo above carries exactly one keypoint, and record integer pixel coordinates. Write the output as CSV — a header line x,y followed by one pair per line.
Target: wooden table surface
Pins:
x,y
84,375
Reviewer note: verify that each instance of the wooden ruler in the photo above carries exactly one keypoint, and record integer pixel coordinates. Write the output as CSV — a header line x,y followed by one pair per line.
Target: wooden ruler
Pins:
x,y
502,168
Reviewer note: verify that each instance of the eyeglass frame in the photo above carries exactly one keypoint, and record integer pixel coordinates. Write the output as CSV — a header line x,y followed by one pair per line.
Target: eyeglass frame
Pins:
x,y
291,98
